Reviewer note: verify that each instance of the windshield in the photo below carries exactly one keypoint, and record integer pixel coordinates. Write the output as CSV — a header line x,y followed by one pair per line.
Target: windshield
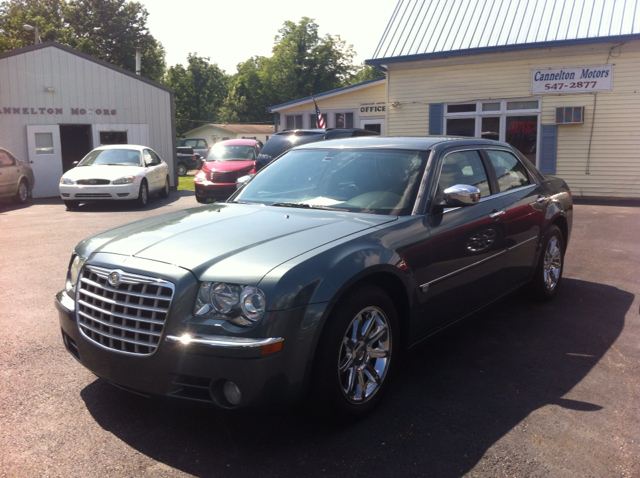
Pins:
x,y
356,180
232,152
119,157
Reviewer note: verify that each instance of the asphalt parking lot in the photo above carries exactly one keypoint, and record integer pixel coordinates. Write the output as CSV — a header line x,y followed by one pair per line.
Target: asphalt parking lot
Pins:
x,y
521,390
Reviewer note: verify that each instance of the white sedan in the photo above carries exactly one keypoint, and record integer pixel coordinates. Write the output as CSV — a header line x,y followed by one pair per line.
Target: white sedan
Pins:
x,y
116,172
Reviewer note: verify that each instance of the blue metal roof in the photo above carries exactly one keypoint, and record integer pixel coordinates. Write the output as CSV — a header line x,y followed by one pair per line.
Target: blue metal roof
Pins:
x,y
422,29
326,93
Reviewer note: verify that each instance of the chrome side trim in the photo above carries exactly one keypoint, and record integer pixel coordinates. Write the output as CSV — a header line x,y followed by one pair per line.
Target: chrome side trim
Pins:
x,y
226,342
510,191
427,284
521,243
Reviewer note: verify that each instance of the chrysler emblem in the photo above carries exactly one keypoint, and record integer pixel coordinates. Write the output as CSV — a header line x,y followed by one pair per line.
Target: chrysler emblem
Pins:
x,y
114,278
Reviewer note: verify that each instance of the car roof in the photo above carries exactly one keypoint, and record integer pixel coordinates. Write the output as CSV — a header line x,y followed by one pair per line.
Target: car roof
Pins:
x,y
136,147
383,142
251,142
318,130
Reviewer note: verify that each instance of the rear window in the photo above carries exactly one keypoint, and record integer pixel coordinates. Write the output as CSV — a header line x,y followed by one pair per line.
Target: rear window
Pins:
x,y
279,143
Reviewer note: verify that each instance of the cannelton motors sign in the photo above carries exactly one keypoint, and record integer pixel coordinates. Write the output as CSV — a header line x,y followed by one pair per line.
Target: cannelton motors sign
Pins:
x,y
12,110
579,79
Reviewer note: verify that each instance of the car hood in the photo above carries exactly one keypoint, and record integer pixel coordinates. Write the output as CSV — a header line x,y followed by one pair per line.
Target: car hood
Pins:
x,y
229,242
101,172
227,165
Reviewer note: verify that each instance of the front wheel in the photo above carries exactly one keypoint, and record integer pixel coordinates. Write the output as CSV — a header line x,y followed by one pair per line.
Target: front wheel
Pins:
x,y
71,204
548,274
356,354
23,192
143,195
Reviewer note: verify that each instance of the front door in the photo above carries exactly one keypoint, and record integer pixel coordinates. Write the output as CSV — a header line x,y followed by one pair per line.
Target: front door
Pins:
x,y
45,158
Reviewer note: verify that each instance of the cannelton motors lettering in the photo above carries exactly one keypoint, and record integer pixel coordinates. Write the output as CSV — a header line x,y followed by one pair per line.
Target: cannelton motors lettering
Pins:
x,y
12,110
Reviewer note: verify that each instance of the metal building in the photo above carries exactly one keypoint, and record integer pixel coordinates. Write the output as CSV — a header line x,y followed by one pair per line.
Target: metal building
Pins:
x,y
57,104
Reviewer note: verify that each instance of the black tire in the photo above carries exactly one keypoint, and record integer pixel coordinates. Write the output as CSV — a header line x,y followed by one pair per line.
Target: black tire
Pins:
x,y
350,377
23,192
164,193
201,200
548,275
71,204
182,169
143,195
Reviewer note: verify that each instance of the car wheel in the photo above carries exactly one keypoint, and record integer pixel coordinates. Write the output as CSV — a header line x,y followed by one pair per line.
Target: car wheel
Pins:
x,y
143,195
164,193
23,192
182,169
71,204
356,354
549,271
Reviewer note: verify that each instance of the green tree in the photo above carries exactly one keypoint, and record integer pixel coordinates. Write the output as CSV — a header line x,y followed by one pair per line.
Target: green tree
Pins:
x,y
248,97
365,73
110,30
200,88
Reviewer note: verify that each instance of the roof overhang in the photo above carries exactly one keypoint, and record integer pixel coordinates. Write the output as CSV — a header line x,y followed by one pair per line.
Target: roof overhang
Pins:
x,y
328,94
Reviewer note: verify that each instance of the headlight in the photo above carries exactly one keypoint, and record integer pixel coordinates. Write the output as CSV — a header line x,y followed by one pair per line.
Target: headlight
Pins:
x,y
200,176
64,180
74,273
125,180
239,304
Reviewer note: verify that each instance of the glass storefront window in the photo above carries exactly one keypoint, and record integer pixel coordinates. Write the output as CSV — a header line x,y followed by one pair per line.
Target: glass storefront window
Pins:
x,y
490,106
522,133
465,108
522,105
491,128
344,120
461,126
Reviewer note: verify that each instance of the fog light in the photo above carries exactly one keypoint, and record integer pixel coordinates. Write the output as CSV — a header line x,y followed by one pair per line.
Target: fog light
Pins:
x,y
231,393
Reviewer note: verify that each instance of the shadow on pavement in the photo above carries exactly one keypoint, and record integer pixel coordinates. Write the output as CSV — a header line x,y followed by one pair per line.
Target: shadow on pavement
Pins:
x,y
454,397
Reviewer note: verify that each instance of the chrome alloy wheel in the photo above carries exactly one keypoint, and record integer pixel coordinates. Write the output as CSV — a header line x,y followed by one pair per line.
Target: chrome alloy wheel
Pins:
x,y
365,355
23,192
552,264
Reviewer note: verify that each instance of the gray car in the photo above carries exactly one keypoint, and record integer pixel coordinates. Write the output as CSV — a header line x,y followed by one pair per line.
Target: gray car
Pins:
x,y
314,277
16,177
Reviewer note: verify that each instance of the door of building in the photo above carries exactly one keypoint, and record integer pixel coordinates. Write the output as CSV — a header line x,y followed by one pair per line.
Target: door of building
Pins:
x,y
45,158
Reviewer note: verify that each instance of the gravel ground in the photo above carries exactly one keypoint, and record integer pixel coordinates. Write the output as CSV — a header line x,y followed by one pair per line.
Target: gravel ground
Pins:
x,y
521,390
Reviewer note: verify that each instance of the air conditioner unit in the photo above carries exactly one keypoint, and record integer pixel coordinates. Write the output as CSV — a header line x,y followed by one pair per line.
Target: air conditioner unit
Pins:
x,y
570,115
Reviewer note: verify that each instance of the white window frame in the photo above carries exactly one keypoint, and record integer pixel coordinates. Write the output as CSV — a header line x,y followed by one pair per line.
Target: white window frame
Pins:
x,y
502,113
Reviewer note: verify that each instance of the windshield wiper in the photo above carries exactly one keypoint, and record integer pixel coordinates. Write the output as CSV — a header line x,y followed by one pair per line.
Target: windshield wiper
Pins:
x,y
306,206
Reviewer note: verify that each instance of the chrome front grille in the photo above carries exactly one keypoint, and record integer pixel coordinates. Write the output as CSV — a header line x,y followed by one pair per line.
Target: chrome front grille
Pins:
x,y
93,182
229,176
127,317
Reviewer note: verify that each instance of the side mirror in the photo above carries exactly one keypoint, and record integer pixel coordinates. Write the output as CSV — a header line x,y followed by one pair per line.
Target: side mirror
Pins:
x,y
461,195
74,164
242,180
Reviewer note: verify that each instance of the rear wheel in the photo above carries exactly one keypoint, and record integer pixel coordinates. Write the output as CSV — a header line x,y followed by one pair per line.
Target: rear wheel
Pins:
x,y
71,204
356,354
164,193
549,271
23,192
143,195
182,169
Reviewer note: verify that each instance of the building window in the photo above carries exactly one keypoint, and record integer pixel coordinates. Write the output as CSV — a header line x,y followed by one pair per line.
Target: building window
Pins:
x,y
313,120
44,143
293,121
514,121
344,120
113,137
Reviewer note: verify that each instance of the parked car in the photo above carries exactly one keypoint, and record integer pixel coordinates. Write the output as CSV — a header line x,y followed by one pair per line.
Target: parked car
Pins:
x,y
199,145
284,140
119,172
226,162
16,177
187,160
317,274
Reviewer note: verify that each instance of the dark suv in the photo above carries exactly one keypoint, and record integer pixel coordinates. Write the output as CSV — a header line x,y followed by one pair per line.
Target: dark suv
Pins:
x,y
285,140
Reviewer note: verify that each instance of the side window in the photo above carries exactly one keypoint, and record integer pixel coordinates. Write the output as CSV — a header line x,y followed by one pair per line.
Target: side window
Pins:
x,y
510,172
6,159
463,167
156,158
148,160
202,143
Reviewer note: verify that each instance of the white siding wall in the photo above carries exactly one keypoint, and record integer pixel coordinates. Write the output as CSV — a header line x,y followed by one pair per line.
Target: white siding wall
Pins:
x,y
79,83
615,145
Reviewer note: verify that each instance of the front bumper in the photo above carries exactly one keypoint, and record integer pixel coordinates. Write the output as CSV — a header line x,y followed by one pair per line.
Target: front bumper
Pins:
x,y
209,190
76,192
198,368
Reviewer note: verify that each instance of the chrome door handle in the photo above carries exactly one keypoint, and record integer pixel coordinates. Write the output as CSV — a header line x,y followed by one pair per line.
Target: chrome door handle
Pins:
x,y
497,214
541,199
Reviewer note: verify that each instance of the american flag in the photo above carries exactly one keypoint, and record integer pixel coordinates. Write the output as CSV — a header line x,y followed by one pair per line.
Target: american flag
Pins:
x,y
319,118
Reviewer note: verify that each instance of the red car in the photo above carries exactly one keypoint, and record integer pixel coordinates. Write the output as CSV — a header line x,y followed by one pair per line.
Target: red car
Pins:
x,y
226,162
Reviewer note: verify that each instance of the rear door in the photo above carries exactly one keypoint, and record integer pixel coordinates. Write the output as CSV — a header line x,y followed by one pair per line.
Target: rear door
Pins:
x,y
524,203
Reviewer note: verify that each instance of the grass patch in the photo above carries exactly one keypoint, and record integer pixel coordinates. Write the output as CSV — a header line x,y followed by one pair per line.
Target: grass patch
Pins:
x,y
185,183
